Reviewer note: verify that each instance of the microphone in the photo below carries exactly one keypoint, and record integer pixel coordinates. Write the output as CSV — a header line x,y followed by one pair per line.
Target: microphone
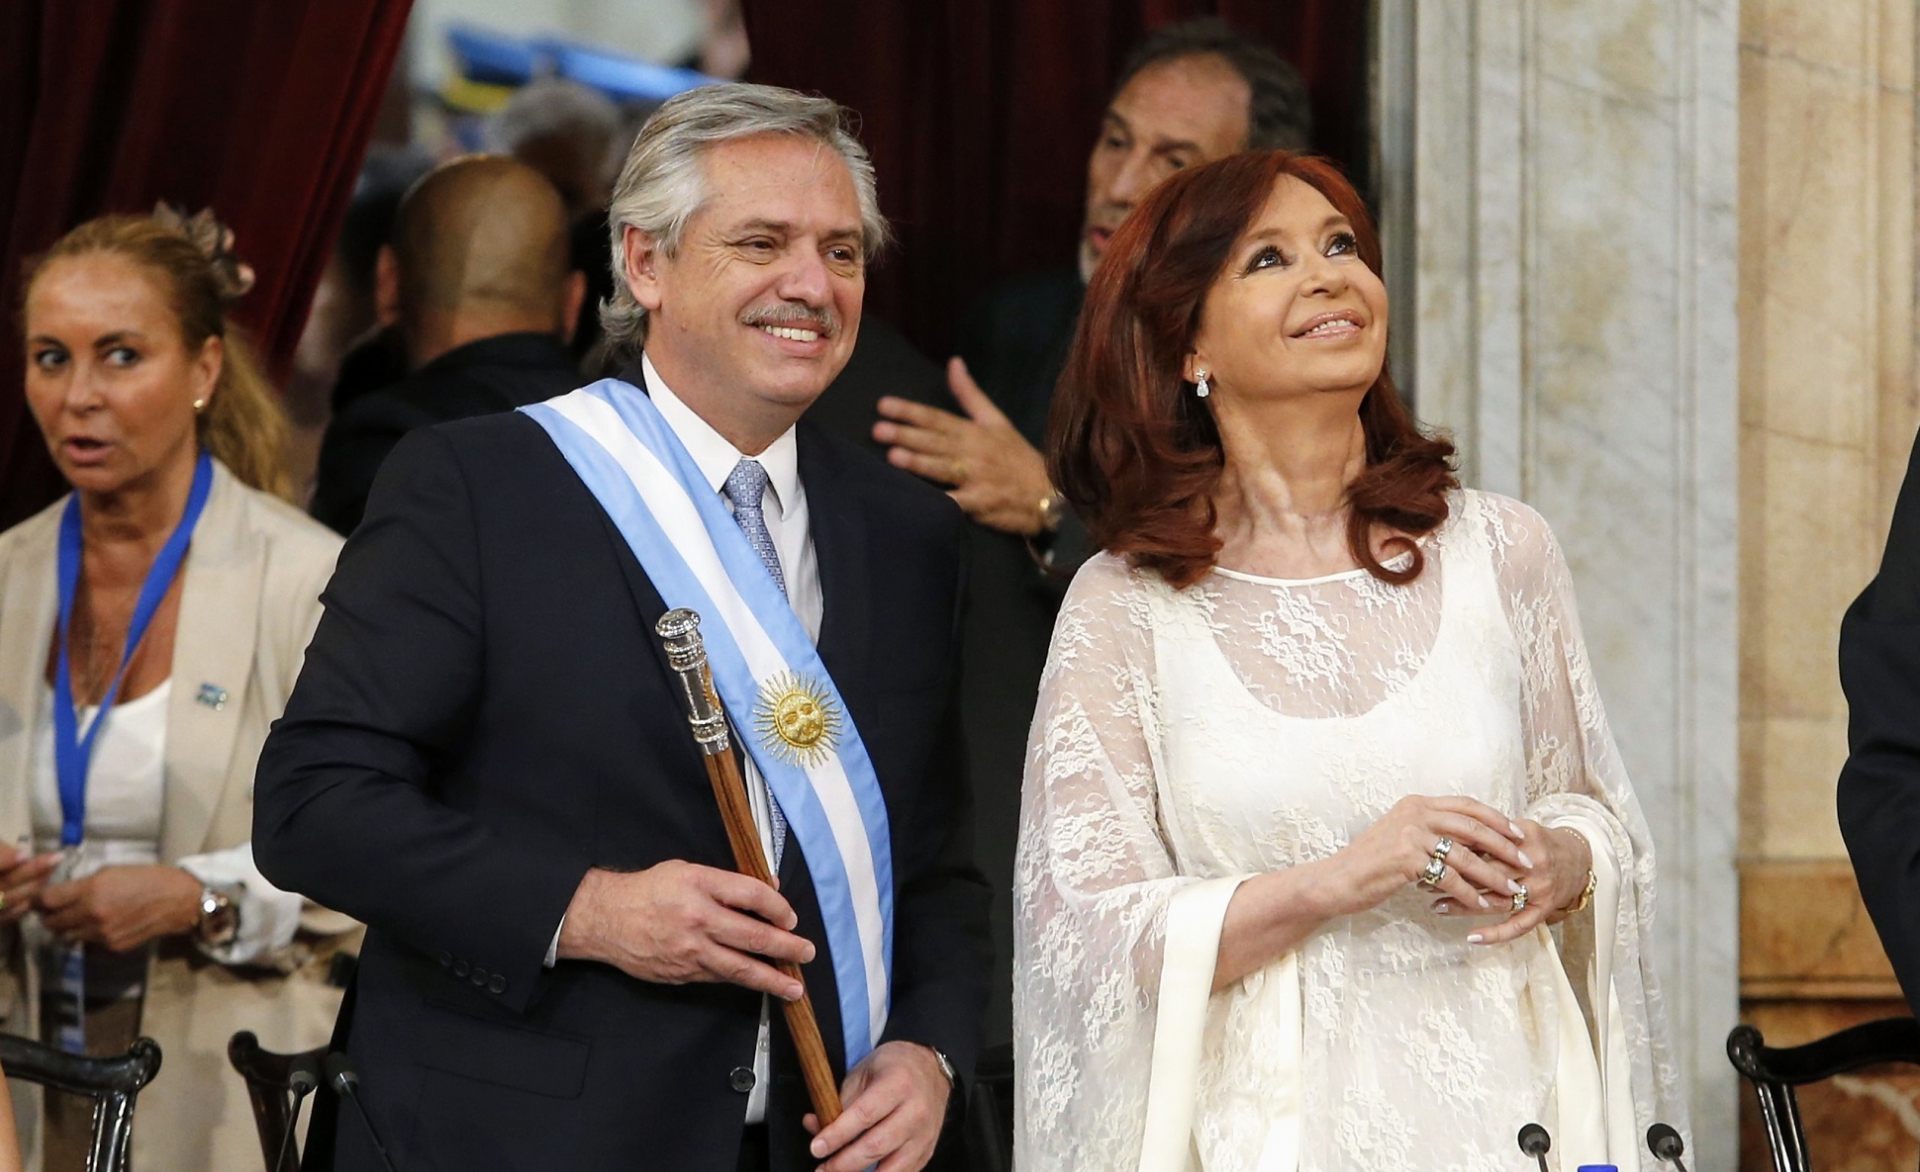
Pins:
x,y
345,1082
302,1079
1535,1142
1665,1143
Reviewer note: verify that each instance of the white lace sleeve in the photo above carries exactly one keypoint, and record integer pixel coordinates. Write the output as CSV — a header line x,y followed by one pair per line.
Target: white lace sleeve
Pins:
x,y
1574,772
1094,879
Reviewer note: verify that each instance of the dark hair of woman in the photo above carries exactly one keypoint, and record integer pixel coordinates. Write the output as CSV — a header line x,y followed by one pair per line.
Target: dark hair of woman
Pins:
x,y
1133,448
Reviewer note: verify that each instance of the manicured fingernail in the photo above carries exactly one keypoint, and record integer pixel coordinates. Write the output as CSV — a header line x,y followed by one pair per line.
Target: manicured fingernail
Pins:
x,y
1476,938
1513,887
1440,909
1513,828
1525,861
817,1149
1483,901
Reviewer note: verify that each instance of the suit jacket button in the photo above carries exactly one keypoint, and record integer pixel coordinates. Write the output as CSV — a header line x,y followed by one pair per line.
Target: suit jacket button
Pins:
x,y
479,976
446,959
496,984
740,1079
459,968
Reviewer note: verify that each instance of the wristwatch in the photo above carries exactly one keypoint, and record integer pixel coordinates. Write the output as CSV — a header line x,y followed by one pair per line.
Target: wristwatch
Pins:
x,y
1052,508
946,1066
219,922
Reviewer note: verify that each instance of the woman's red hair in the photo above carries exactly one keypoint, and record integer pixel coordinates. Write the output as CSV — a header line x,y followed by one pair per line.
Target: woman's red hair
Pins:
x,y
1137,453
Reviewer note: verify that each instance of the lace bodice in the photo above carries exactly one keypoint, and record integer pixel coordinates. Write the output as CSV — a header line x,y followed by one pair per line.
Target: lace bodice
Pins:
x,y
1246,725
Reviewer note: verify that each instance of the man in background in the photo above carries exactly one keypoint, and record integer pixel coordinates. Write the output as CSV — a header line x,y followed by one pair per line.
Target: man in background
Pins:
x,y
576,137
1879,791
1190,92
477,278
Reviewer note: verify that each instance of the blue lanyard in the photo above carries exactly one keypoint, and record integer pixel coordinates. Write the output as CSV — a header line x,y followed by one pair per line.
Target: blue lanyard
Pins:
x,y
72,751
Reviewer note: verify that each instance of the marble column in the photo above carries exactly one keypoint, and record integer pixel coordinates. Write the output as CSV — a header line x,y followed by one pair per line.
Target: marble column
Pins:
x,y
1574,326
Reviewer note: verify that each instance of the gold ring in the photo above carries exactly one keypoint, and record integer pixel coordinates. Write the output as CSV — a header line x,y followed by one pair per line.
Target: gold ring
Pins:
x,y
1520,897
959,474
1435,871
1443,848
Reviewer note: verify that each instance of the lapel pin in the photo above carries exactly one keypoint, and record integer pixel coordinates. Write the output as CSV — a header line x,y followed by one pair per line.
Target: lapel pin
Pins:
x,y
213,696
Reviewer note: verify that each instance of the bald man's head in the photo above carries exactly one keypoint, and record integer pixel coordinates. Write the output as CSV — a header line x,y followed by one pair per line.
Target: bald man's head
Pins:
x,y
481,240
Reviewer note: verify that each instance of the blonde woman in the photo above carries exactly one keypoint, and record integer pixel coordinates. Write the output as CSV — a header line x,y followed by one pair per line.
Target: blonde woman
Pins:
x,y
151,626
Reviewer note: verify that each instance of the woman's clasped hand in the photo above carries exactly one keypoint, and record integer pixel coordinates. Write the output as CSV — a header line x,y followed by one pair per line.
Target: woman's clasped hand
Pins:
x,y
1478,861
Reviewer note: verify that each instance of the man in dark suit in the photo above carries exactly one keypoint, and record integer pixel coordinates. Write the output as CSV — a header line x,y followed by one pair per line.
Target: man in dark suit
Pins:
x,y
478,281
486,760
1879,794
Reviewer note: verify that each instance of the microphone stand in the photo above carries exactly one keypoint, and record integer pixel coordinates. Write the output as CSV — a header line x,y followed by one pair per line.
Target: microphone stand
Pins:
x,y
679,632
302,1079
1535,1142
1666,1145
346,1083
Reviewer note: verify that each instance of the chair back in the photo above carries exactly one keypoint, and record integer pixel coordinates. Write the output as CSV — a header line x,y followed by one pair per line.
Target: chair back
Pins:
x,y
1775,1072
113,1082
266,1074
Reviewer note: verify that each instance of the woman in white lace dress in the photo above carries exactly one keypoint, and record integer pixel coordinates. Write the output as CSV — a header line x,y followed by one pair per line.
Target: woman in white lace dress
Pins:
x,y
1327,858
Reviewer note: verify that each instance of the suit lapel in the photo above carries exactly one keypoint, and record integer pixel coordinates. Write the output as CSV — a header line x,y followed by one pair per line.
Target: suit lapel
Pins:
x,y
840,543
213,659
28,610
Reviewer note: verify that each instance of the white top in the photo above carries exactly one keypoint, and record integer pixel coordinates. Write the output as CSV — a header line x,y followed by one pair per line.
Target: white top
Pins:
x,y
785,509
126,794
1186,739
126,782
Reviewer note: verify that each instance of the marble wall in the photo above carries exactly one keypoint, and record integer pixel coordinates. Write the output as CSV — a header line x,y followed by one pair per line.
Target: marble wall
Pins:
x,y
1827,416
1574,228
1827,406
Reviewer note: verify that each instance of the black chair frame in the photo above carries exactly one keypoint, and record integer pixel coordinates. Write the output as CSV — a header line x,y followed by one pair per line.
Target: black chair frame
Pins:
x,y
112,1082
1775,1073
265,1073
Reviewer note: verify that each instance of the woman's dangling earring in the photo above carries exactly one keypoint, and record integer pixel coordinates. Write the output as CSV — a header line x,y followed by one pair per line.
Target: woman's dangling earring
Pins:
x,y
1200,387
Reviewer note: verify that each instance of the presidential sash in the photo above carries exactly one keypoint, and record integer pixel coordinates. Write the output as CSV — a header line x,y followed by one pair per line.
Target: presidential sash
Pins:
x,y
763,663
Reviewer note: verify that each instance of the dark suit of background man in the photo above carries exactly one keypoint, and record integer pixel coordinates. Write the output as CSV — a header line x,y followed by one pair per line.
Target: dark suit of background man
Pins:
x,y
1880,783
485,759
478,281
1190,92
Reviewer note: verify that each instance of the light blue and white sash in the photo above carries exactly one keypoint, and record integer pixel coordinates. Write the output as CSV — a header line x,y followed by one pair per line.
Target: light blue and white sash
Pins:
x,y
697,557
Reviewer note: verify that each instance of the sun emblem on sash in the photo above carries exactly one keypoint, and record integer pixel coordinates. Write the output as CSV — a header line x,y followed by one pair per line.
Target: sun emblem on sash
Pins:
x,y
797,718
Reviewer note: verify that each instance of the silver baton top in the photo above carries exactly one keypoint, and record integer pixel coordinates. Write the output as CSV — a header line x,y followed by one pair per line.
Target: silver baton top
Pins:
x,y
679,632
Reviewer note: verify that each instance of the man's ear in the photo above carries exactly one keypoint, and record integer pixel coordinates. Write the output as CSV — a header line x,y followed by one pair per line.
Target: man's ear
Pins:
x,y
644,261
386,287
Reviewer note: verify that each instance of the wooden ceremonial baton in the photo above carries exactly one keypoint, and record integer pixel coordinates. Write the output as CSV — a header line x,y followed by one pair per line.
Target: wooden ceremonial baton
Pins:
x,y
679,632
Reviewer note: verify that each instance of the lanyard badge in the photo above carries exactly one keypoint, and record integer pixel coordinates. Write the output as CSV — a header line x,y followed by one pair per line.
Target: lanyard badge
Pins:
x,y
72,749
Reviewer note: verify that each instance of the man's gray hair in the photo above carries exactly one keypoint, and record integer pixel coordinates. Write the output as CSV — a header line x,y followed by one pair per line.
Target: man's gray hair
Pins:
x,y
664,181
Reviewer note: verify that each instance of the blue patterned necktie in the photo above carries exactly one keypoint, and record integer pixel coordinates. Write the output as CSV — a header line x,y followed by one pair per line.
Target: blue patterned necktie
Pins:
x,y
746,488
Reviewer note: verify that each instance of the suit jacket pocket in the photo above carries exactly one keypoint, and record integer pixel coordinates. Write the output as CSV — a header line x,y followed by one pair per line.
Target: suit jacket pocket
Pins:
x,y
534,1061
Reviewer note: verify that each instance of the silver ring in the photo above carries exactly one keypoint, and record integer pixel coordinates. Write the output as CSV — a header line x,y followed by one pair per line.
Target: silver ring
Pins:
x,y
1520,897
1443,848
1435,871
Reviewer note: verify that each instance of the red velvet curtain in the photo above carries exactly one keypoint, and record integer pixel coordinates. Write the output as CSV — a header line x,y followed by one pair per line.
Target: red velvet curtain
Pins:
x,y
260,108
980,115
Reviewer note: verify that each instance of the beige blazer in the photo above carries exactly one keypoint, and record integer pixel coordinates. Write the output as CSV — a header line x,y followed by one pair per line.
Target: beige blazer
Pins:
x,y
248,607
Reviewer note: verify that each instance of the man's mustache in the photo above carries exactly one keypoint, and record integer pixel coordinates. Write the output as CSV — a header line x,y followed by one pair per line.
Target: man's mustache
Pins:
x,y
788,314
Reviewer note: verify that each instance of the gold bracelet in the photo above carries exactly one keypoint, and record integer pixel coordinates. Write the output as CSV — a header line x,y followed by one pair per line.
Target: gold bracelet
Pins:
x,y
1586,897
